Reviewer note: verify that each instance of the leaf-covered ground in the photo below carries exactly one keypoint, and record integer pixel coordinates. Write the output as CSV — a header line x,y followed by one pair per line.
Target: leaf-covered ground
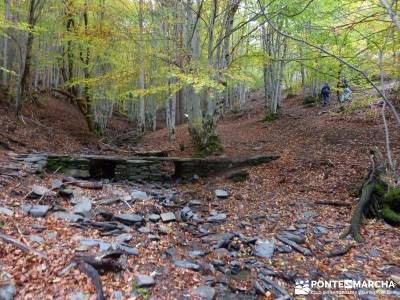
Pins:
x,y
323,156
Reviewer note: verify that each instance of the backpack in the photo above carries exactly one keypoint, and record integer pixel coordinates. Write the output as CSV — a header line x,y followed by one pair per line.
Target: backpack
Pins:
x,y
325,90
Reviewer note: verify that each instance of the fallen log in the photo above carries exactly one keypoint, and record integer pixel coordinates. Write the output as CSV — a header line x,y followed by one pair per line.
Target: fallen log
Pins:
x,y
94,275
340,251
8,239
332,203
294,245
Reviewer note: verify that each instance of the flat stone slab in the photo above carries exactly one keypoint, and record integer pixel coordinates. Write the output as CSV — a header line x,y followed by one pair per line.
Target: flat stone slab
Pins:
x,y
6,211
298,238
83,207
154,217
264,248
40,190
196,253
168,217
124,237
205,292
67,216
144,281
217,218
36,239
128,250
39,211
221,194
130,218
184,264
140,195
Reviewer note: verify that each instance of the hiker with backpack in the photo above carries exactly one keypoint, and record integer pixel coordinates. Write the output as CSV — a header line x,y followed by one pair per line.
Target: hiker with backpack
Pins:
x,y
325,93
346,92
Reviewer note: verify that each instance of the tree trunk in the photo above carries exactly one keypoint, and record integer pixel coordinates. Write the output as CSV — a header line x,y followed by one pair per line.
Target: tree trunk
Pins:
x,y
142,115
23,85
7,11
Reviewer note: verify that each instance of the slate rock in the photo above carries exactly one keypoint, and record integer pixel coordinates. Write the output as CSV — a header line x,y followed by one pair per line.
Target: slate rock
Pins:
x,y
124,238
52,235
195,203
128,250
83,207
320,230
196,253
184,264
6,211
89,242
39,211
36,239
309,214
104,246
130,218
186,213
144,281
67,192
7,288
153,237
67,216
168,217
284,249
56,184
40,190
196,218
374,252
26,208
7,291
117,295
140,195
297,238
205,292
217,218
264,248
38,227
221,194
154,217
144,230
218,263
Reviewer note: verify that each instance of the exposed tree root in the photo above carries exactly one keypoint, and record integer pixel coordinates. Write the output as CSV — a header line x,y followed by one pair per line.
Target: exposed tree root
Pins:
x,y
378,198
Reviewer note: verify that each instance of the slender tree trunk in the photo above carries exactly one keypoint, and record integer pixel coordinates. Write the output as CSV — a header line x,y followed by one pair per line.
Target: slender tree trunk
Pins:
x,y
7,11
23,85
170,110
142,115
195,119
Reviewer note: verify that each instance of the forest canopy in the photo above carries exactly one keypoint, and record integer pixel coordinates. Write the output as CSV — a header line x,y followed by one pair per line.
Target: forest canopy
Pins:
x,y
194,59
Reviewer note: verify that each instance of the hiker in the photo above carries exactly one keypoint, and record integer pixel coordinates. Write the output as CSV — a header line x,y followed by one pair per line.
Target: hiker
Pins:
x,y
325,92
346,92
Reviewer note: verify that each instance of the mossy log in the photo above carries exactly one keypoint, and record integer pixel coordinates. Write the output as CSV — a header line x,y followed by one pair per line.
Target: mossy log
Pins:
x,y
379,198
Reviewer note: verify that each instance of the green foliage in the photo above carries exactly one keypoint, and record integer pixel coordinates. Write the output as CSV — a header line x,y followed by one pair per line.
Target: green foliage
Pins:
x,y
212,147
359,103
144,292
270,117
